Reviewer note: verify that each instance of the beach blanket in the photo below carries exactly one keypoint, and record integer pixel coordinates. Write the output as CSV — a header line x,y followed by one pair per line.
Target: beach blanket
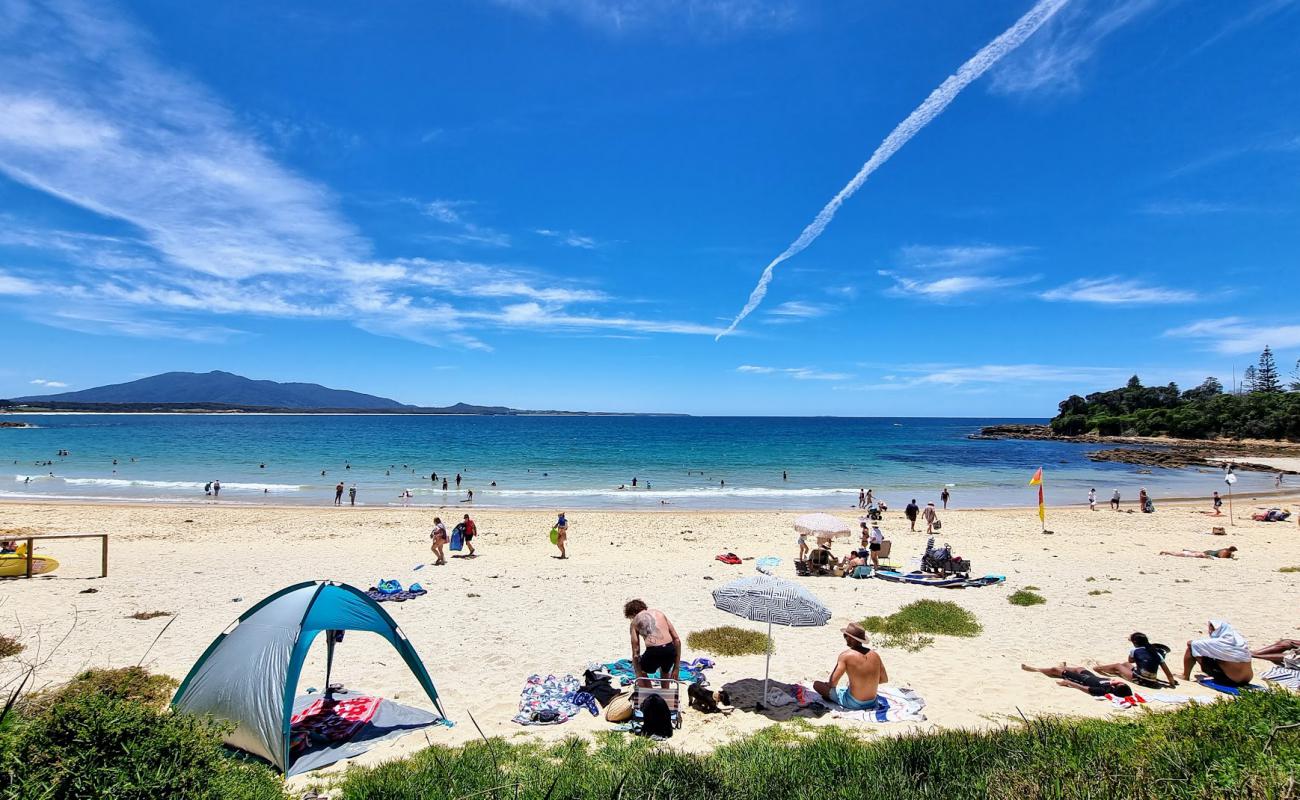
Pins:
x,y
691,672
392,592
1132,701
767,565
892,705
1283,676
552,700
1211,683
1223,644
928,579
325,722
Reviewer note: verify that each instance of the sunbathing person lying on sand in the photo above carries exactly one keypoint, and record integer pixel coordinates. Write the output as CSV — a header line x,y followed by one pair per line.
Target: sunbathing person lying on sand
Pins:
x,y
1222,655
1278,651
1225,552
864,669
1144,660
1083,679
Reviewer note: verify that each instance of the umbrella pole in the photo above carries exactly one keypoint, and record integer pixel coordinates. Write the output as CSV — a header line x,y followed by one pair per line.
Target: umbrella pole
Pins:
x,y
767,665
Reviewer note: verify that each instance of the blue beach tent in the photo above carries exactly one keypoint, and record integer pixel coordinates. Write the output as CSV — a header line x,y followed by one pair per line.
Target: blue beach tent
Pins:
x,y
249,675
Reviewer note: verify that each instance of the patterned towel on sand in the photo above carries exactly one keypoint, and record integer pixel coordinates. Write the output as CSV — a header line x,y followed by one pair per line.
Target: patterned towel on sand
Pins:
x,y
329,721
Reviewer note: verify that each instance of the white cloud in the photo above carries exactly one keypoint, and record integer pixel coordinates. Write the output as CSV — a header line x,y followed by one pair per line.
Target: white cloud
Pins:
x,y
569,238
219,226
796,311
1116,291
707,18
798,373
1054,60
1185,208
970,256
1238,336
950,288
48,384
14,285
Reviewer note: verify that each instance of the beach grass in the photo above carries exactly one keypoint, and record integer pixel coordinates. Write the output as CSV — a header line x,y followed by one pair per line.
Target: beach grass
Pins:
x,y
1024,597
9,646
142,615
730,640
912,626
1031,588
108,734
1289,569
1227,749
1096,592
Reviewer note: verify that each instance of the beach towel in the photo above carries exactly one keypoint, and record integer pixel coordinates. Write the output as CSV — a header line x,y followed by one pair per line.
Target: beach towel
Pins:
x,y
1223,644
1283,676
1211,683
767,565
552,700
457,539
691,672
392,592
326,722
892,705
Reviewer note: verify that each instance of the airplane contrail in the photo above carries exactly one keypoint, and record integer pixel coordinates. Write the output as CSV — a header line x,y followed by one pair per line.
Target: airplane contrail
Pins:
x,y
932,107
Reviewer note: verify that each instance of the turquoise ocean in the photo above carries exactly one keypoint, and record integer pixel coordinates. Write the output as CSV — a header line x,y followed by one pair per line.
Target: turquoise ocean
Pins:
x,y
560,462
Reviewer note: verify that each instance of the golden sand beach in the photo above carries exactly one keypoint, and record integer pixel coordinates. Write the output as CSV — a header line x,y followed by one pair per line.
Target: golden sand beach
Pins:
x,y
490,622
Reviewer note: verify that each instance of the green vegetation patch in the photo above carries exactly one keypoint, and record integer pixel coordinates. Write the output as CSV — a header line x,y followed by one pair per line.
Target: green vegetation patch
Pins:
x,y
729,641
1096,591
1024,597
1222,750
1289,569
909,627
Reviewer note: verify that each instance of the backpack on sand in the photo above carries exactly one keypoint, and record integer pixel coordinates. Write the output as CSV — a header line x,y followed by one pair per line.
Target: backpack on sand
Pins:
x,y
655,718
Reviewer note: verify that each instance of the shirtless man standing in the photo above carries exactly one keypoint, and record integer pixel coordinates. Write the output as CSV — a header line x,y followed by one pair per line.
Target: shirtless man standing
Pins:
x,y
663,647
865,670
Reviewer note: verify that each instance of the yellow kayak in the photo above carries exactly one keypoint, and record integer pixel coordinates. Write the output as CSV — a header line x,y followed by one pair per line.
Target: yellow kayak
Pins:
x,y
15,564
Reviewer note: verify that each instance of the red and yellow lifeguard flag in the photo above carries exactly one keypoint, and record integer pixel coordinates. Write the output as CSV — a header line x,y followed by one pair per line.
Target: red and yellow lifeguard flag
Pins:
x,y
1037,480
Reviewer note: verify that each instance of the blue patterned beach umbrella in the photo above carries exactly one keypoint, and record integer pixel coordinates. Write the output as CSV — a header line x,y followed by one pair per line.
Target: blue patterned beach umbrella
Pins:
x,y
762,598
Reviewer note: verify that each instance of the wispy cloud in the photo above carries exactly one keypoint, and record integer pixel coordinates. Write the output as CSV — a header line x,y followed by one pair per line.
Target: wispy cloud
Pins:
x,y
1257,14
215,224
951,287
48,383
1187,208
1116,291
797,311
1055,59
964,257
1280,142
922,115
951,376
452,214
706,18
1237,336
569,238
798,373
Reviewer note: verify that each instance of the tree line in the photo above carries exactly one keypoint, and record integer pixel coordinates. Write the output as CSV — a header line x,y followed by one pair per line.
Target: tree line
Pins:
x,y
1265,407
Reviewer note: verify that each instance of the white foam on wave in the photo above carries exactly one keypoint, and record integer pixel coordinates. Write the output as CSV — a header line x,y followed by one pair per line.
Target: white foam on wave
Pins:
x,y
187,485
700,491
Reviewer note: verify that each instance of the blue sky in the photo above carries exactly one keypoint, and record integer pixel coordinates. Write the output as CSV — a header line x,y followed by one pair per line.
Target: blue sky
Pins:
x,y
562,203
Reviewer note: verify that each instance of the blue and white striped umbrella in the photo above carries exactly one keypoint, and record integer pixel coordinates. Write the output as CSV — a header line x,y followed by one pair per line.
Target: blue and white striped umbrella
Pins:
x,y
762,598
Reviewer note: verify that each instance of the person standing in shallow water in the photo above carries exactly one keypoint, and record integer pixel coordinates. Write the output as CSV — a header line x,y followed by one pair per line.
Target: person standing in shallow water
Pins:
x,y
944,495
338,494
352,495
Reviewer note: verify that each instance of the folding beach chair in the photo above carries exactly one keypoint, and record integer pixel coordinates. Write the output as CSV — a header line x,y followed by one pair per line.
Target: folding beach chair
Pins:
x,y
645,688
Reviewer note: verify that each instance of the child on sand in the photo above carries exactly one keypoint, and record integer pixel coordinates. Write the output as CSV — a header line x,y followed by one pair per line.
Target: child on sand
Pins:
x,y
1144,660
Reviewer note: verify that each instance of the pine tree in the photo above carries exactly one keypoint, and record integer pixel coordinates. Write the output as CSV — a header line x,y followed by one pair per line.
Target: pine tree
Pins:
x,y
1266,379
1248,380
1295,377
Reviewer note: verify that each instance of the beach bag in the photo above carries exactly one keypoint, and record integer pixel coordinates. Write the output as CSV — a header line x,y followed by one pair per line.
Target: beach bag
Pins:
x,y
457,539
938,524
620,708
655,718
1291,658
555,535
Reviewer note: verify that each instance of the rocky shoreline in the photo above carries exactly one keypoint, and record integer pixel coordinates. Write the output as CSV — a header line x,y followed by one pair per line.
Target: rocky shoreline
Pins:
x,y
1154,452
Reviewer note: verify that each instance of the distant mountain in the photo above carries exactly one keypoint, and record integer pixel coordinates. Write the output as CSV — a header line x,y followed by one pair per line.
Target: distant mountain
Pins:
x,y
224,388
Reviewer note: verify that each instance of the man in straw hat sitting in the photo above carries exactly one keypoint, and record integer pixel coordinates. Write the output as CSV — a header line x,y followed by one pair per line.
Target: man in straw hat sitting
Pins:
x,y
865,670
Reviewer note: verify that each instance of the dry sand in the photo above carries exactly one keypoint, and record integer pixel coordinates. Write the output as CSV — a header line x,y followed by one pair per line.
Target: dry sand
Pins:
x,y
490,622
